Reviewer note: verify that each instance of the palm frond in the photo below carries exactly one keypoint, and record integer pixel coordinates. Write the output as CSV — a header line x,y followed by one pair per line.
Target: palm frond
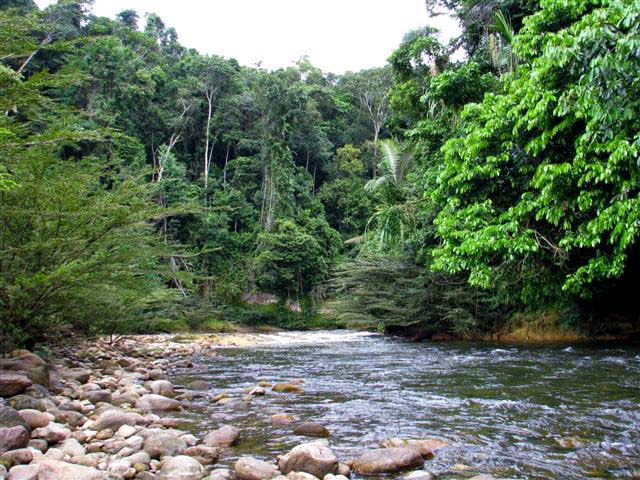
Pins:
x,y
392,159
375,183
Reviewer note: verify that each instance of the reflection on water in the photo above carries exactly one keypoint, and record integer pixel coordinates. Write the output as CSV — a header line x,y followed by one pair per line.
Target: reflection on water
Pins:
x,y
501,408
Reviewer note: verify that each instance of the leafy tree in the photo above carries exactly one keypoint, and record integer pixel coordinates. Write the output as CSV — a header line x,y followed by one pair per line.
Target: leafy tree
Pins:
x,y
291,261
545,179
76,242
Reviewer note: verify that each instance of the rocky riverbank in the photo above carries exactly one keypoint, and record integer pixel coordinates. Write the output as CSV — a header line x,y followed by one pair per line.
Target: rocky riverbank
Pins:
x,y
98,411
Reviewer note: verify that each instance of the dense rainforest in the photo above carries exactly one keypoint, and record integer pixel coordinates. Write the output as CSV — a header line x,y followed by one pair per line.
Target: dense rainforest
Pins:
x,y
464,188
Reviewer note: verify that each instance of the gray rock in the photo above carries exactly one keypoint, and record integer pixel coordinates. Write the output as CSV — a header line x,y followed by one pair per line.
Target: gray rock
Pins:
x,y
10,417
80,375
282,419
181,468
13,437
24,472
210,454
52,433
300,476
315,458
220,474
72,448
311,429
30,365
222,437
13,383
152,402
36,418
21,456
97,396
249,468
419,475
23,402
388,460
70,417
114,418
57,470
162,387
198,385
164,445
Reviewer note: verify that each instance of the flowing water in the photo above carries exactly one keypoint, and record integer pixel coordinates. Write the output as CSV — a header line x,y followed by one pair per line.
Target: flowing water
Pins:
x,y
502,408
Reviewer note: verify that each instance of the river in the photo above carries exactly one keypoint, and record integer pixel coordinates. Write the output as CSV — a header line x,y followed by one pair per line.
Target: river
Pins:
x,y
502,408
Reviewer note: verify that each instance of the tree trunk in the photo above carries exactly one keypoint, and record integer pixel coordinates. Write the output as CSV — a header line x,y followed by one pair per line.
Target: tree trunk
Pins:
x,y
207,157
224,172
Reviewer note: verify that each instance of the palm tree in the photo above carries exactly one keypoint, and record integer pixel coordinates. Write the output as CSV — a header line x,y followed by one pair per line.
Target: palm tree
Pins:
x,y
395,215
394,167
501,44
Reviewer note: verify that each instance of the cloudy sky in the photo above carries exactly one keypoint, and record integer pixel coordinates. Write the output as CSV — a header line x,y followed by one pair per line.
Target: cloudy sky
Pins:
x,y
337,35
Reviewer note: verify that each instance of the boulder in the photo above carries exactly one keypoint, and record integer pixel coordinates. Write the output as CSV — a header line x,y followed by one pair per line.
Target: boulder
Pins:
x,y
220,474
287,388
70,417
12,438
209,454
80,375
426,446
125,431
388,460
162,387
38,444
52,433
198,385
483,476
119,466
572,443
282,419
14,431
181,468
54,454
34,367
344,470
311,429
71,447
10,417
37,391
114,418
249,468
419,475
330,476
315,458
57,470
23,402
21,456
223,437
97,396
24,472
156,403
13,383
36,418
163,445
301,476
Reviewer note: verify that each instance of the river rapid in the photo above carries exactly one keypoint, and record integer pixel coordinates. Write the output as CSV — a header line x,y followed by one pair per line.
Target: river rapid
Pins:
x,y
503,409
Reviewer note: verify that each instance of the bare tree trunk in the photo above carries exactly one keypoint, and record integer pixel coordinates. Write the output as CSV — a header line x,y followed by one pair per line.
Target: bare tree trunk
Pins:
x,y
315,168
207,156
224,172
44,42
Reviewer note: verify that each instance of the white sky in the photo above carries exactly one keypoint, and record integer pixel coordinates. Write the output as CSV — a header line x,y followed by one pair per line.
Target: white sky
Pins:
x,y
337,35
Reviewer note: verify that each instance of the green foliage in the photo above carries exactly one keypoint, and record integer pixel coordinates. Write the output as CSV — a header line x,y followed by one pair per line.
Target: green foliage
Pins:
x,y
546,176
292,259
393,294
